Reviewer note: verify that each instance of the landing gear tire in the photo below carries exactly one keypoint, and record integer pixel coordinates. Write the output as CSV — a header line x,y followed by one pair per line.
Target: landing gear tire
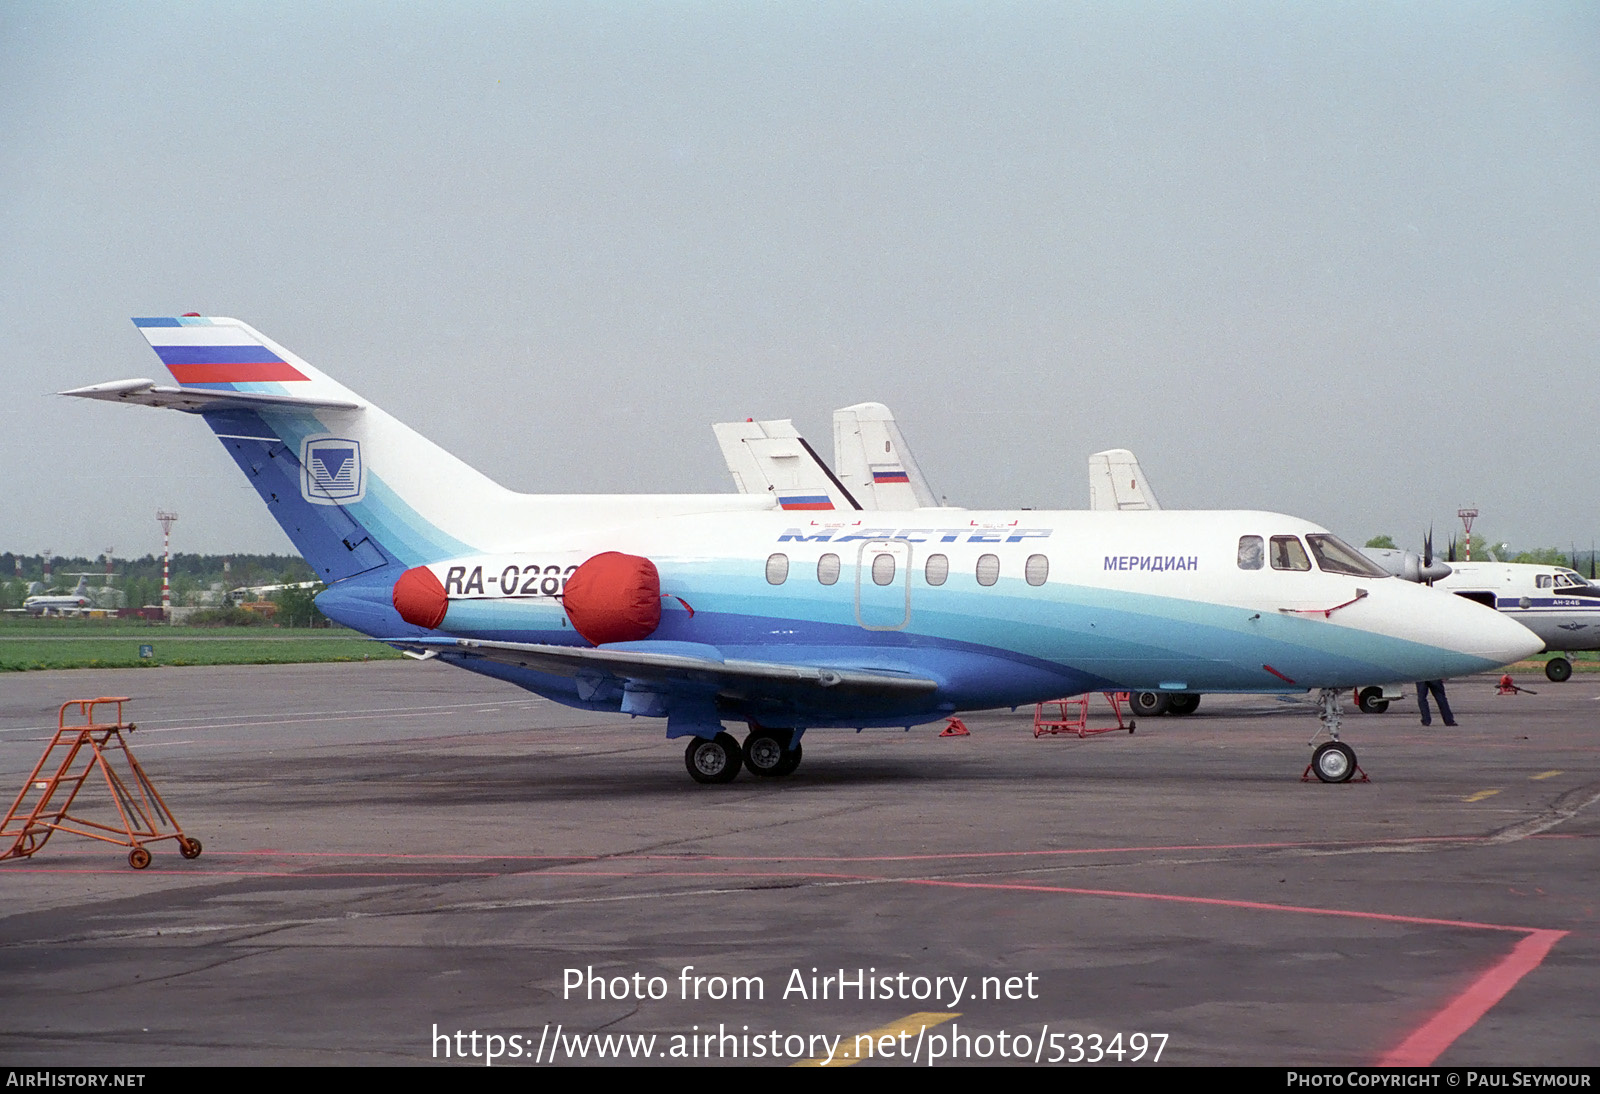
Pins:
x,y
767,753
1183,703
1334,762
1150,703
714,759
1558,669
1371,701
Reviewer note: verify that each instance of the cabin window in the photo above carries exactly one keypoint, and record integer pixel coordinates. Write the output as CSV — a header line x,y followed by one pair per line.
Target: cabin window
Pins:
x,y
1287,554
1252,552
988,569
1335,556
1037,570
883,570
827,569
937,569
777,569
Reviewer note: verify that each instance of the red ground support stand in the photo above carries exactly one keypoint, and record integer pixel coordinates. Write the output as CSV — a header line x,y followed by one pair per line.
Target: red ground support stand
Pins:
x,y
956,728
1062,722
74,754
1507,686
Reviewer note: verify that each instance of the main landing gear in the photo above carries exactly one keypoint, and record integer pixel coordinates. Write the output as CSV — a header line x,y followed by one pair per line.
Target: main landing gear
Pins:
x,y
1558,669
769,753
1333,761
712,759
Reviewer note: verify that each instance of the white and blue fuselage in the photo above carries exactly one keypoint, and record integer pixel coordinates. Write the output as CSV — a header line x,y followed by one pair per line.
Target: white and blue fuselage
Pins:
x,y
780,619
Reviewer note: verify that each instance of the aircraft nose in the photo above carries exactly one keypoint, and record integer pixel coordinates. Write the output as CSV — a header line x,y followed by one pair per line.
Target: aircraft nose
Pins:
x,y
1496,637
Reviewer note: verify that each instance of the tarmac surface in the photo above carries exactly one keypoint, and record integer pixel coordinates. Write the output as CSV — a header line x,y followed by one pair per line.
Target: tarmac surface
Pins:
x,y
407,863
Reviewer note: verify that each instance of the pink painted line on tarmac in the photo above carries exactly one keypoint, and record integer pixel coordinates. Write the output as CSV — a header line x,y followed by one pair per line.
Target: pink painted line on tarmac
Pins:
x,y
1429,1041
1420,1049
1221,902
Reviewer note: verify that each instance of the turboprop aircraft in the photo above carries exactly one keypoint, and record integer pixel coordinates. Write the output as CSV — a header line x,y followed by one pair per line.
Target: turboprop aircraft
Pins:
x,y
1553,602
700,609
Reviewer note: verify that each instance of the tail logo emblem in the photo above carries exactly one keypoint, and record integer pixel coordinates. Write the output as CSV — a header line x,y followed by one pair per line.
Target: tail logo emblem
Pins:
x,y
332,473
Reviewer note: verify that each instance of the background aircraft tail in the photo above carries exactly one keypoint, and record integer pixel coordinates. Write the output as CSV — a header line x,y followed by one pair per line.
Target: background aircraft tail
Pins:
x,y
772,458
874,461
1117,482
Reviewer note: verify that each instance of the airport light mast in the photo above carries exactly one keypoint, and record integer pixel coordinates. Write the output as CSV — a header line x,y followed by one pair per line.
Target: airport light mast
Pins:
x,y
167,520
1467,517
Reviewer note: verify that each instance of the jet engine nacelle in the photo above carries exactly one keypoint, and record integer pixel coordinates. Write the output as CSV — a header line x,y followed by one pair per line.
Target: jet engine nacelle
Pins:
x,y
607,597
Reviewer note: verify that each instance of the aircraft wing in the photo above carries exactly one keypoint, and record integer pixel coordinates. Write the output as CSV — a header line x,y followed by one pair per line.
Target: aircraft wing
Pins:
x,y
689,665
149,393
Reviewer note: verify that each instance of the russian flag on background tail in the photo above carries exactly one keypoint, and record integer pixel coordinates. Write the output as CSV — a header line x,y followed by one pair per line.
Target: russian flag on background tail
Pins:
x,y
199,353
805,501
889,474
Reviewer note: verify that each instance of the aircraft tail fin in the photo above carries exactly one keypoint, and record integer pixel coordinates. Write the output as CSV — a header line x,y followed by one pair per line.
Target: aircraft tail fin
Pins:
x,y
1117,482
354,489
773,459
874,461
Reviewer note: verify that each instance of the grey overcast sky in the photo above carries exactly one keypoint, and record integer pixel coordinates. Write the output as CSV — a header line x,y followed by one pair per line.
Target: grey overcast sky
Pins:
x,y
1336,260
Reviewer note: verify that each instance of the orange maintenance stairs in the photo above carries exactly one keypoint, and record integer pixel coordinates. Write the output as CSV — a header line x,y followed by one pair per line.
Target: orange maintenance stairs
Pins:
x,y
73,757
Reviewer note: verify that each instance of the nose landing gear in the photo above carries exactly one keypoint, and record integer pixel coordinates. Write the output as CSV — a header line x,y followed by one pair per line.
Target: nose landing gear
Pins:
x,y
1333,761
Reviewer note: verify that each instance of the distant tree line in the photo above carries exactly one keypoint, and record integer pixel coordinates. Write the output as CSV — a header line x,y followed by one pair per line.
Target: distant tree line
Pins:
x,y
138,580
1581,561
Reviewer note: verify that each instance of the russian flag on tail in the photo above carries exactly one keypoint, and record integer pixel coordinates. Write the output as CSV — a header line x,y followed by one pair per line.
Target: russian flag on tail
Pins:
x,y
199,353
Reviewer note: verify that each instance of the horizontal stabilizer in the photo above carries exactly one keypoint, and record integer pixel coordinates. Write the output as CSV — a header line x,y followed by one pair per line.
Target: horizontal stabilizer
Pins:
x,y
732,679
195,400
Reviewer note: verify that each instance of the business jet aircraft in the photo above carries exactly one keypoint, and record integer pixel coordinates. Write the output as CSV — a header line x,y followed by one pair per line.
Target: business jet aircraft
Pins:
x,y
699,609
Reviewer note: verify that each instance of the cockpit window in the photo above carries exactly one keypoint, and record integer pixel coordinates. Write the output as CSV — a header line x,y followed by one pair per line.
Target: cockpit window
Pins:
x,y
1541,581
1287,554
1574,584
1335,556
1252,552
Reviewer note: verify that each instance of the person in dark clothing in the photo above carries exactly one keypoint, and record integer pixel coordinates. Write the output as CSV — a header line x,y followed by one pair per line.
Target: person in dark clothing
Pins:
x,y
1437,687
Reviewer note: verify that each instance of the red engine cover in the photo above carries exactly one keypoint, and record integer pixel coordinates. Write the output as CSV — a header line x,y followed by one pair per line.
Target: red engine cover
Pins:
x,y
614,597
419,598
